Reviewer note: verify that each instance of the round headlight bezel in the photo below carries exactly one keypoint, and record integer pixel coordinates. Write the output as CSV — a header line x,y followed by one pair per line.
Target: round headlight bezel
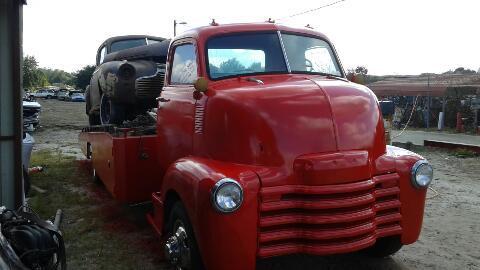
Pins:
x,y
218,187
415,169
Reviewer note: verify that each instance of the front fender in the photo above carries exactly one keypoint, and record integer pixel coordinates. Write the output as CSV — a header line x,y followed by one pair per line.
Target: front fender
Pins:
x,y
412,199
222,238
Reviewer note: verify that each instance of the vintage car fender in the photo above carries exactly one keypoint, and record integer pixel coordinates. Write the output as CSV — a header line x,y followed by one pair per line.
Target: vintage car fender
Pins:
x,y
222,238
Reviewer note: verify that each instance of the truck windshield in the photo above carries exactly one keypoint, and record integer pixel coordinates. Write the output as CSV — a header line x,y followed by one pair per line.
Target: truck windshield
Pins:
x,y
310,55
261,53
242,54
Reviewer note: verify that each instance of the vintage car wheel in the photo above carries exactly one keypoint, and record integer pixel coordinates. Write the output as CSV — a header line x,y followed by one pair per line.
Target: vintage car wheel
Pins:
x,y
384,247
93,120
181,248
111,113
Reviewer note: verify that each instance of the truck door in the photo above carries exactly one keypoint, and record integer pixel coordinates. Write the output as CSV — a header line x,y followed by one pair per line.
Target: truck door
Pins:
x,y
176,106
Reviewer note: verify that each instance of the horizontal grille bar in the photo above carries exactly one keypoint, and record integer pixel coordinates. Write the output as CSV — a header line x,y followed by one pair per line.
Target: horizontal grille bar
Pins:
x,y
314,234
316,219
319,204
316,249
328,219
150,86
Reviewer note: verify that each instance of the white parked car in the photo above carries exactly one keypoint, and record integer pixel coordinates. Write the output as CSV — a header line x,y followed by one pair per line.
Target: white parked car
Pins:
x,y
44,93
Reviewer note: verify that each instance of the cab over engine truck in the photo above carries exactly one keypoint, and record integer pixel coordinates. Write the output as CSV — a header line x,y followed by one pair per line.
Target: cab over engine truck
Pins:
x,y
263,148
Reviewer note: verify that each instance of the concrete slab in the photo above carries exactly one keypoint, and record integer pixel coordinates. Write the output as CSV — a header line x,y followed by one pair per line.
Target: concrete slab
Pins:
x,y
417,137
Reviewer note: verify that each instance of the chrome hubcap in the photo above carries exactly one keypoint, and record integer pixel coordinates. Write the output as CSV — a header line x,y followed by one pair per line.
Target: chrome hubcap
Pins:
x,y
177,251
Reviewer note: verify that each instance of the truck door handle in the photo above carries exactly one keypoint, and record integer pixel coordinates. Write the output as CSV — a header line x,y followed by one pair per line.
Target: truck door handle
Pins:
x,y
161,99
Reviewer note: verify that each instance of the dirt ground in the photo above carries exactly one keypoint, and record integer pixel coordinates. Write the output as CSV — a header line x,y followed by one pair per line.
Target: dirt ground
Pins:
x,y
450,238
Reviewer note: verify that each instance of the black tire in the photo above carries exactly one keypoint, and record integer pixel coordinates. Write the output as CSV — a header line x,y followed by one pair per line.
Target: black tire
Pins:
x,y
96,179
93,120
385,247
26,181
49,97
88,103
111,113
179,214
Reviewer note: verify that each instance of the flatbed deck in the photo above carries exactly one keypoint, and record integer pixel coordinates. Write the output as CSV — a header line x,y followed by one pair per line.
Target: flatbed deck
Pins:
x,y
124,159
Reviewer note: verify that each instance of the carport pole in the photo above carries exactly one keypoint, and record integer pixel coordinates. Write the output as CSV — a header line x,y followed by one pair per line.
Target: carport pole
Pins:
x,y
11,183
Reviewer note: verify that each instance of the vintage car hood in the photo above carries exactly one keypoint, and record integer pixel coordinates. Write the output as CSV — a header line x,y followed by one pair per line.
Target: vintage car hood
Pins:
x,y
287,117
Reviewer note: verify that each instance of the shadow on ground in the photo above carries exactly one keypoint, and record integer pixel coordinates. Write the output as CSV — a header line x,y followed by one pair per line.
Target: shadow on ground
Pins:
x,y
355,261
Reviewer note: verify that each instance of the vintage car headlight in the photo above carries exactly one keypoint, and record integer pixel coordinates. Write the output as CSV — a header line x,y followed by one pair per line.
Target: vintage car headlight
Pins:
x,y
126,71
227,195
422,174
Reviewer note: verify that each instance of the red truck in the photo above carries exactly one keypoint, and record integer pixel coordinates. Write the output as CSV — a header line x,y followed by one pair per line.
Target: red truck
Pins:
x,y
263,148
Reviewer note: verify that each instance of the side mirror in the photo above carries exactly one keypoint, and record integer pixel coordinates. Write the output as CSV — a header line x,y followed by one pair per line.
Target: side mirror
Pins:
x,y
201,85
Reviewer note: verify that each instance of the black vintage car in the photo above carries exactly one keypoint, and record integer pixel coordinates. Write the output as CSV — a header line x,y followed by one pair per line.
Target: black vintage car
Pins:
x,y
129,76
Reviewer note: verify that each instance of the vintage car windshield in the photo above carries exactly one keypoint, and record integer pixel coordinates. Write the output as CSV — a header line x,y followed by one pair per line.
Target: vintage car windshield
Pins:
x,y
261,53
241,54
127,44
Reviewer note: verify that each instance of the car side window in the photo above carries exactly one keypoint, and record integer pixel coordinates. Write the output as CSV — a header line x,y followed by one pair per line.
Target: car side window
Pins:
x,y
103,52
184,67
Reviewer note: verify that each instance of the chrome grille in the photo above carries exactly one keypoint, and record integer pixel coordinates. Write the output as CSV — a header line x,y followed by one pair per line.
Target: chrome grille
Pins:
x,y
150,86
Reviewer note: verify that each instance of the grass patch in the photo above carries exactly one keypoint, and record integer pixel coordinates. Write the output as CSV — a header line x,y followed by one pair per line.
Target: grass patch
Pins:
x,y
464,153
99,232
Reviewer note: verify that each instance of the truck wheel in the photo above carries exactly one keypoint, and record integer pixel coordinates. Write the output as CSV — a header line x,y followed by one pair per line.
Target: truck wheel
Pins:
x,y
384,247
95,177
110,112
93,120
88,103
181,248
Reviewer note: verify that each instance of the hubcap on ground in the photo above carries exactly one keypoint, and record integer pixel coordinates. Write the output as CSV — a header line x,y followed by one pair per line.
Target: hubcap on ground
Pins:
x,y
177,251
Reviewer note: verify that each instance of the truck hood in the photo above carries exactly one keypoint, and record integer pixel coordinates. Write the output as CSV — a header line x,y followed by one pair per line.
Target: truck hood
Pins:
x,y
280,121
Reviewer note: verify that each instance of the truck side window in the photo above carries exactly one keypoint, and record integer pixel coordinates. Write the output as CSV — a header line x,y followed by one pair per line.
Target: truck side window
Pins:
x,y
184,67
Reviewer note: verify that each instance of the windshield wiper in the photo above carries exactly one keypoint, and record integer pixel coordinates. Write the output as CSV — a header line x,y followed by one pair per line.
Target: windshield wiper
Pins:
x,y
331,76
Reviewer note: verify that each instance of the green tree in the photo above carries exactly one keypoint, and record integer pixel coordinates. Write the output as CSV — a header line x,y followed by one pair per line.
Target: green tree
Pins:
x,y
82,77
231,66
462,70
256,66
361,70
57,76
32,76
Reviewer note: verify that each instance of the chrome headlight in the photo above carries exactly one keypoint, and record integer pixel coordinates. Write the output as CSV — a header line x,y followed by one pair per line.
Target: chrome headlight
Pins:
x,y
227,195
422,174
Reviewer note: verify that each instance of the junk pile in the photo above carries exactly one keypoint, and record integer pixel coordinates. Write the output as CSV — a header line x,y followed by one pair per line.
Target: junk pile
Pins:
x,y
28,242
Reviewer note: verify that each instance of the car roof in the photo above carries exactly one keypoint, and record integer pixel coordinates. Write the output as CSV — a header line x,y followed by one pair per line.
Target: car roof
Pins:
x,y
128,37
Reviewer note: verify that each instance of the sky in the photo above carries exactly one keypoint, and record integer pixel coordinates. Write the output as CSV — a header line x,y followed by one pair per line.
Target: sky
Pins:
x,y
387,36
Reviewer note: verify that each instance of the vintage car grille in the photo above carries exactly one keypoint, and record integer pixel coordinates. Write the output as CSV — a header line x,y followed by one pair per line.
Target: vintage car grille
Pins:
x,y
148,87
323,220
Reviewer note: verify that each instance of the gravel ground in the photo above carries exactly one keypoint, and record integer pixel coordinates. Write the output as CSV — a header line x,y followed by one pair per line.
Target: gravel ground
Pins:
x,y
451,232
60,124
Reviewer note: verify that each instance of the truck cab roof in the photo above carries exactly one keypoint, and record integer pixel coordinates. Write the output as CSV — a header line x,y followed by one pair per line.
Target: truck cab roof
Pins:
x,y
221,29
